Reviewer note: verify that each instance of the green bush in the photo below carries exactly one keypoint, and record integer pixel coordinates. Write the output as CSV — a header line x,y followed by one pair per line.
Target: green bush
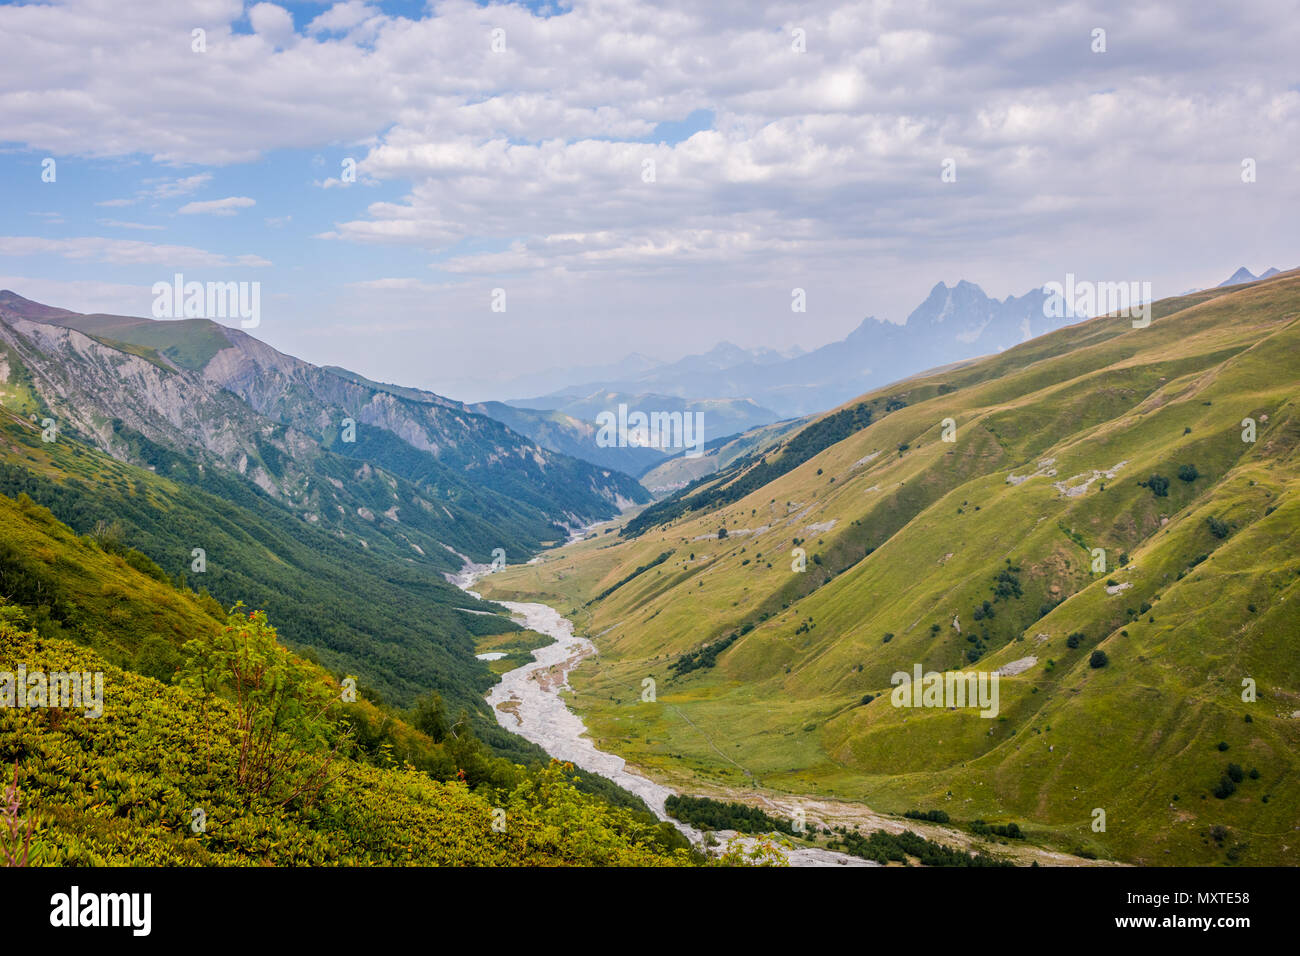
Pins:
x,y
1159,485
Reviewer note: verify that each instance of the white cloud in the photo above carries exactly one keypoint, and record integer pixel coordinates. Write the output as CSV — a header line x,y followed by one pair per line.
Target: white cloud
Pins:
x,y
217,207
342,17
118,224
272,22
171,188
820,169
121,252
163,188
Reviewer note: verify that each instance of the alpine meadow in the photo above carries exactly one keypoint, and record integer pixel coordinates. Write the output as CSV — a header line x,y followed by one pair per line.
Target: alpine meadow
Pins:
x,y
570,434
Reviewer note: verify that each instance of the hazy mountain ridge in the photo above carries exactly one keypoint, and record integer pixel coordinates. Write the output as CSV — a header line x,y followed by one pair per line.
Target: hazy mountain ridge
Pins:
x,y
569,435
953,323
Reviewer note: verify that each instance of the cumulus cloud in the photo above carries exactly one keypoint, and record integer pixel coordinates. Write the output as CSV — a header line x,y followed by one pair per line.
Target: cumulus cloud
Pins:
x,y
343,17
552,158
271,22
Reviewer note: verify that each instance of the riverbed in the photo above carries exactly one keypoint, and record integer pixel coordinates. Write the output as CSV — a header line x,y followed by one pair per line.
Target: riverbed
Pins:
x,y
529,702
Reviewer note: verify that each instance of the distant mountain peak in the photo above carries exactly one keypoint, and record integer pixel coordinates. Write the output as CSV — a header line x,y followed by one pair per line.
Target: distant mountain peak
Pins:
x,y
1237,278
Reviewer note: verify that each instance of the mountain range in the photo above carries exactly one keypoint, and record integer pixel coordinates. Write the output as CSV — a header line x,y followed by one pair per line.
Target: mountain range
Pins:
x,y
953,323
299,486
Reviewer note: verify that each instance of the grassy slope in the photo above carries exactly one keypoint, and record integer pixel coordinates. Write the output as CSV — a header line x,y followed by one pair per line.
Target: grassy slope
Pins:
x,y
190,343
919,538
680,470
407,639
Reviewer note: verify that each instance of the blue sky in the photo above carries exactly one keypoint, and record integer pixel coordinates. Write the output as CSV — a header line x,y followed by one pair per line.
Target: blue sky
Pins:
x,y
525,168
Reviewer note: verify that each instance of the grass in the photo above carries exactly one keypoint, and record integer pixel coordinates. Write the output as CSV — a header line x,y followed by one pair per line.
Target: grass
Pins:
x,y
907,542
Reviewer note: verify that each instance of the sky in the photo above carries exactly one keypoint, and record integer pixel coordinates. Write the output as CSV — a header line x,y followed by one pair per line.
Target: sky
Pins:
x,y
625,176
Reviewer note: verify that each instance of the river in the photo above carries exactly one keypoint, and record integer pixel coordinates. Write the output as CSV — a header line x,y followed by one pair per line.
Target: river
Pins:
x,y
528,701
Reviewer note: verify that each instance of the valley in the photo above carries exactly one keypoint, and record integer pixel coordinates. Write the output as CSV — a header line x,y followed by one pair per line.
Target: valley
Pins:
x,y
1104,497
530,700
1105,492
451,451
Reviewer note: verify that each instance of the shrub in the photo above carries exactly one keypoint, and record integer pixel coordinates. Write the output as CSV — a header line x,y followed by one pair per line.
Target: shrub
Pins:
x,y
15,840
1188,472
1074,639
288,737
934,816
1225,787
1098,659
1159,485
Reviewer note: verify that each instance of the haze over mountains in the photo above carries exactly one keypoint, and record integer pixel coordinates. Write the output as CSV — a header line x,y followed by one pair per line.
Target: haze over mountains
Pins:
x,y
740,389
953,323
1244,275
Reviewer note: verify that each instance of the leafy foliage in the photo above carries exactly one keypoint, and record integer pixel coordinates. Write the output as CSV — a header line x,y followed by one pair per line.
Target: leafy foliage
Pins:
x,y
120,790
282,712
706,656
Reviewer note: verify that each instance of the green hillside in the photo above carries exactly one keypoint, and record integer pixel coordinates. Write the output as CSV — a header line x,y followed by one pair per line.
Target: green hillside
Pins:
x,y
977,553
188,343
679,471
341,782
409,638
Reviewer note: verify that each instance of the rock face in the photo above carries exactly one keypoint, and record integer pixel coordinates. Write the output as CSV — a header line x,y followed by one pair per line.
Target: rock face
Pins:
x,y
100,391
197,400
314,399
1016,667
